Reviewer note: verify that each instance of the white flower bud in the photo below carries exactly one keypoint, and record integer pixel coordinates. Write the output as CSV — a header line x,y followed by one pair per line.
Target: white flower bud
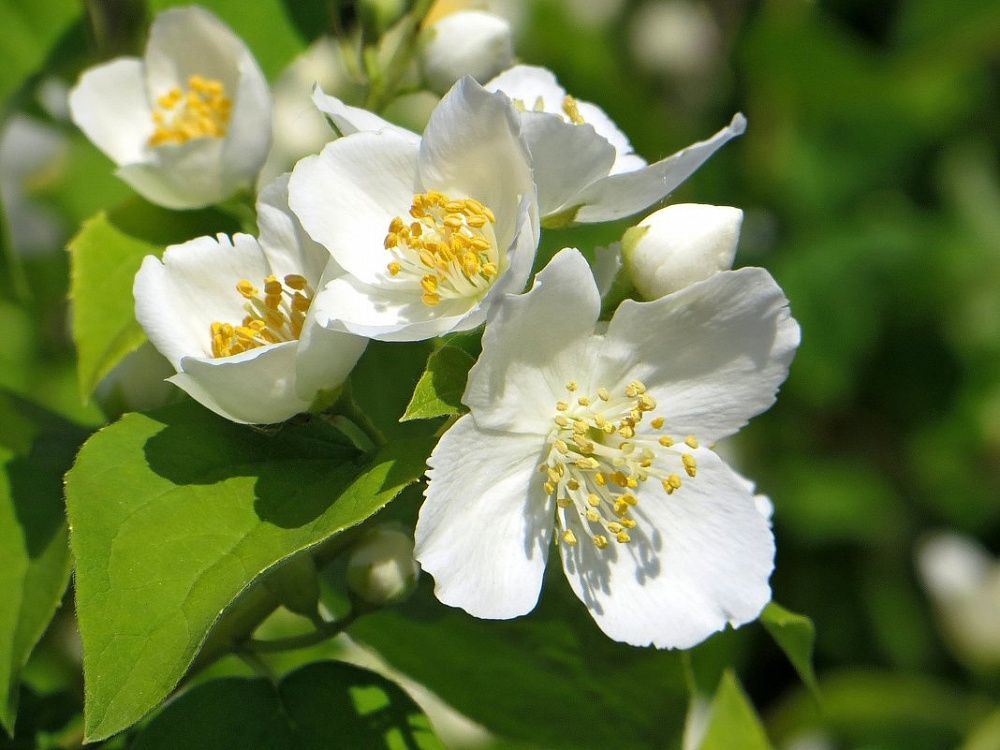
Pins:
x,y
137,383
468,42
679,245
381,569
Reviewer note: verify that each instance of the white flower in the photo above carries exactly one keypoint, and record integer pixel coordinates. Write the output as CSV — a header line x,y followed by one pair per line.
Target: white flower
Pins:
x,y
381,569
190,123
431,231
679,245
467,42
235,318
599,437
584,165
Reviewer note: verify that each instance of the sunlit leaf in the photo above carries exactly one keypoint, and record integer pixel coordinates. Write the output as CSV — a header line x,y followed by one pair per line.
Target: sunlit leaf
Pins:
x,y
439,390
796,635
733,722
175,513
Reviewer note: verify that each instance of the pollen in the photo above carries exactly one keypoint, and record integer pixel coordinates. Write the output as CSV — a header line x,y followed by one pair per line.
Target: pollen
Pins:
x,y
572,110
603,448
271,318
202,110
447,249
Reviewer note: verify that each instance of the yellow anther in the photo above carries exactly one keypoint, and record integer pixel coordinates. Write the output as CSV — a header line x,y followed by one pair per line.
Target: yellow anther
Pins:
x,y
562,447
431,300
614,527
593,500
629,499
593,516
549,488
296,282
561,405
564,502
572,111
602,393
248,290
690,465
691,441
583,401
561,420
569,537
600,541
666,441
622,537
394,268
647,402
587,463
202,111
573,485
600,479
628,523
571,386
671,483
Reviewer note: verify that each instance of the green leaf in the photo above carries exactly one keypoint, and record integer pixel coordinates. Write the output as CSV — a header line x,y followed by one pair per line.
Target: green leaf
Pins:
x,y
733,721
439,390
177,512
551,679
322,705
105,256
36,448
382,384
796,635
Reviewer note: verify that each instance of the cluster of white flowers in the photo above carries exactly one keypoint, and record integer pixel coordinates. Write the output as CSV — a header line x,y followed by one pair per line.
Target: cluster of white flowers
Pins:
x,y
595,435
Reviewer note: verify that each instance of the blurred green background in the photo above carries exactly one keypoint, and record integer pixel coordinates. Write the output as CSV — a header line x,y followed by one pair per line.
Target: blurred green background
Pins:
x,y
869,177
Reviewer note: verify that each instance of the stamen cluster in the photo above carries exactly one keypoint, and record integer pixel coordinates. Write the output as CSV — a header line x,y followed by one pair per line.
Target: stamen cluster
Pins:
x,y
596,461
202,111
276,316
450,246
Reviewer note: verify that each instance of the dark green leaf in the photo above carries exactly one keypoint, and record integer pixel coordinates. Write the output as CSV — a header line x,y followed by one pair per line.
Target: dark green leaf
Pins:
x,y
36,448
174,514
439,390
322,705
796,635
550,679
733,721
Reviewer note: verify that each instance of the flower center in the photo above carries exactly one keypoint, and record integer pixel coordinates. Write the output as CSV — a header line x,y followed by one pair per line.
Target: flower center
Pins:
x,y
202,111
596,462
449,247
569,108
276,316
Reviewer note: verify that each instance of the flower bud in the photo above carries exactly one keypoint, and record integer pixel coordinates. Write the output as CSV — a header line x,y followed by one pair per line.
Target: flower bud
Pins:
x,y
467,42
679,245
137,383
381,568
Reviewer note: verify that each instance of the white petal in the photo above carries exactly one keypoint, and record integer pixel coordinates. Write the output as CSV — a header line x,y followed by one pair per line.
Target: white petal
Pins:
x,y
623,194
181,176
565,158
191,41
109,105
471,148
698,559
348,119
485,528
625,158
530,85
255,387
712,354
325,358
535,343
178,299
347,195
287,246
387,314
607,264
248,138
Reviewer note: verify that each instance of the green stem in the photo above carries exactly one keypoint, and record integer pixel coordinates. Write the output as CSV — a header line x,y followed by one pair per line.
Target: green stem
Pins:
x,y
323,632
389,78
258,665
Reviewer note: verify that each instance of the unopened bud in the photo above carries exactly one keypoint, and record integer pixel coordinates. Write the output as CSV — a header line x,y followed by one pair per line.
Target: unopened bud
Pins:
x,y
137,383
678,245
381,569
467,42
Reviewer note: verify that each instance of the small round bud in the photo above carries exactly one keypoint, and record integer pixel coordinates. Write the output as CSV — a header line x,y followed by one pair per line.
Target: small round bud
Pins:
x,y
379,15
467,42
679,245
137,383
381,568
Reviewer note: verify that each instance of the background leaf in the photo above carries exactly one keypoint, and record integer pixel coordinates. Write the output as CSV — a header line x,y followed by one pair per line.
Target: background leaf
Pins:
x,y
795,634
175,513
440,388
323,705
733,721
36,448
